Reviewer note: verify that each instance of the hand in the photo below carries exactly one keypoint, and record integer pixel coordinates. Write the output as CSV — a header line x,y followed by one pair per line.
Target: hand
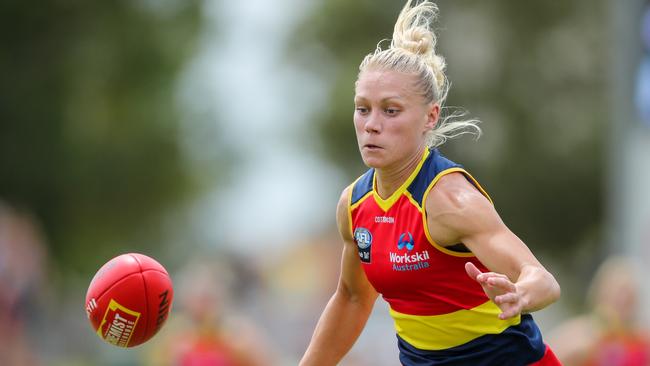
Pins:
x,y
499,289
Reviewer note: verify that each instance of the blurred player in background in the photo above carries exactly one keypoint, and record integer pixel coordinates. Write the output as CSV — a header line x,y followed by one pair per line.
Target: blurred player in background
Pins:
x,y
206,331
609,334
23,260
419,229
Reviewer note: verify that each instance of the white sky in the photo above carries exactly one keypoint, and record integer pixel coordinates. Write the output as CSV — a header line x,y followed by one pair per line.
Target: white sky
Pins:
x,y
280,191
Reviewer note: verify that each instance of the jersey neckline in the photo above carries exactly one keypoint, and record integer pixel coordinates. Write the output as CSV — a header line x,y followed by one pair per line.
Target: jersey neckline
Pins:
x,y
386,204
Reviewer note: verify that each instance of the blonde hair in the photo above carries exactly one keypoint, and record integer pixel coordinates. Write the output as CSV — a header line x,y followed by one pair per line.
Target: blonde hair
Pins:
x,y
412,51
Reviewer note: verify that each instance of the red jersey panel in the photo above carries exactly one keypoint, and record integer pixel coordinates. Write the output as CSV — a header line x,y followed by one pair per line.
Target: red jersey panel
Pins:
x,y
412,275
434,303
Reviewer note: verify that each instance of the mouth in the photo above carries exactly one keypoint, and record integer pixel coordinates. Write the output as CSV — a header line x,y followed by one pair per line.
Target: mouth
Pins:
x,y
371,147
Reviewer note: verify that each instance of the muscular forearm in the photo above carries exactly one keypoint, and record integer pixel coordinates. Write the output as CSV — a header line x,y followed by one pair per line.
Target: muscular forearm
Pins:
x,y
537,288
338,328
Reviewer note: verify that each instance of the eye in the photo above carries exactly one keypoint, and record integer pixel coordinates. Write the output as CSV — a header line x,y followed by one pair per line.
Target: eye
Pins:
x,y
391,111
361,110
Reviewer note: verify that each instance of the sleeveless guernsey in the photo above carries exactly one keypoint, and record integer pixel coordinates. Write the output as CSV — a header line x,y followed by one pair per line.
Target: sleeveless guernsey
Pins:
x,y
439,312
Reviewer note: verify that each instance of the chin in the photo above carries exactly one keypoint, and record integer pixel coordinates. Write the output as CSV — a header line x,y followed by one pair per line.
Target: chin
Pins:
x,y
373,161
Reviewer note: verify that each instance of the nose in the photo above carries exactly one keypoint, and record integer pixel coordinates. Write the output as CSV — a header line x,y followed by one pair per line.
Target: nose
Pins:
x,y
373,123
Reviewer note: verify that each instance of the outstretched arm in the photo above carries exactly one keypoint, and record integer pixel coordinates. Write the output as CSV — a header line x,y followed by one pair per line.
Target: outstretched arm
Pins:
x,y
517,281
349,308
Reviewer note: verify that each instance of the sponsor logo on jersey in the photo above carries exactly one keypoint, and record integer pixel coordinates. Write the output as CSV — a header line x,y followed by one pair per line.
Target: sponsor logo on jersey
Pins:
x,y
405,240
384,220
409,261
363,238
118,324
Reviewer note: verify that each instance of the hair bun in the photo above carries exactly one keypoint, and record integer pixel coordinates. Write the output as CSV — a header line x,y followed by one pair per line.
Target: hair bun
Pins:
x,y
412,51
439,65
417,40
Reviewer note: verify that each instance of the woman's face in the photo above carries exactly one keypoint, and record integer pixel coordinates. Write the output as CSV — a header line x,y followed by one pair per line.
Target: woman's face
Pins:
x,y
391,118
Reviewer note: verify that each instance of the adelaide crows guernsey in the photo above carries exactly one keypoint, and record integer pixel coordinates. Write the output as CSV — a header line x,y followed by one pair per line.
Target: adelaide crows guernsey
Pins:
x,y
436,307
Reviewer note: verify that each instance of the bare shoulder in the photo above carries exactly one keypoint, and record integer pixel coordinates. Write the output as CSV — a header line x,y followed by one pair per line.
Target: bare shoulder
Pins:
x,y
453,193
455,207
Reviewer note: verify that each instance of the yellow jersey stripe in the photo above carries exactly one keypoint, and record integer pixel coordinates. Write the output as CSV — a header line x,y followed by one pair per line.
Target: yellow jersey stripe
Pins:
x,y
439,332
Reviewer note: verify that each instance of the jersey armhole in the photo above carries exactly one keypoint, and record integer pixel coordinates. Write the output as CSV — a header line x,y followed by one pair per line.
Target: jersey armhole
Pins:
x,y
425,224
349,207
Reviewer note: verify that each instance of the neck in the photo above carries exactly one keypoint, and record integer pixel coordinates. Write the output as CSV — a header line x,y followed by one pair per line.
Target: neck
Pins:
x,y
389,179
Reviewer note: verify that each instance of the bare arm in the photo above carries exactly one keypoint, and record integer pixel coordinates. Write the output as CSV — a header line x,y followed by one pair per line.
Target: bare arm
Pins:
x,y
349,308
517,282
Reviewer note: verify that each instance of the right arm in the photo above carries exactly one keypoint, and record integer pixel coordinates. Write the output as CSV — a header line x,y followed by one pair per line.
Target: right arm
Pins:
x,y
348,310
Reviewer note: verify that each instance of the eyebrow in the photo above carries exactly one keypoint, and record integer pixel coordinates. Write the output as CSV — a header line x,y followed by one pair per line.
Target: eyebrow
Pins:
x,y
399,97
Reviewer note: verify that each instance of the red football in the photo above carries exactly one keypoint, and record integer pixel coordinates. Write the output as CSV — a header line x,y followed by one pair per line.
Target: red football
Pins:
x,y
129,299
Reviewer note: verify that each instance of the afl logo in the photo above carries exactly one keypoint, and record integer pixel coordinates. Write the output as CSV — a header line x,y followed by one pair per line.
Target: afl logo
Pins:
x,y
405,240
363,237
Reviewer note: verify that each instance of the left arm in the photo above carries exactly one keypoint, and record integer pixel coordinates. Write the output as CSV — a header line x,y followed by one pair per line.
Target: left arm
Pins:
x,y
518,282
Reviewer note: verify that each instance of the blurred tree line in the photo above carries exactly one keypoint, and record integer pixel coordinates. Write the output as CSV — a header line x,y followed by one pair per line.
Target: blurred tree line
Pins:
x,y
534,73
89,125
88,120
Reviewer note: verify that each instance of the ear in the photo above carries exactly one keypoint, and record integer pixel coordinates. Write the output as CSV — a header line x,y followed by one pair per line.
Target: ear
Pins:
x,y
433,114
